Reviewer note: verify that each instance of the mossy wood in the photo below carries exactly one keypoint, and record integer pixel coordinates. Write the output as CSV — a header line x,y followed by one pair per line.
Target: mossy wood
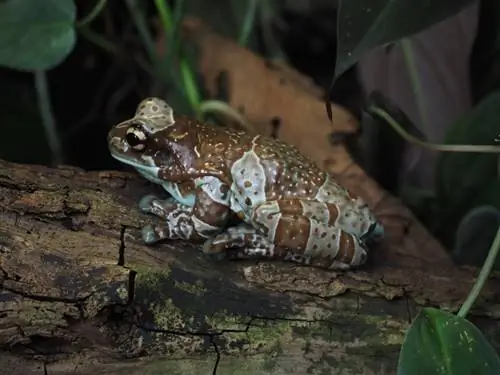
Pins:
x,y
81,294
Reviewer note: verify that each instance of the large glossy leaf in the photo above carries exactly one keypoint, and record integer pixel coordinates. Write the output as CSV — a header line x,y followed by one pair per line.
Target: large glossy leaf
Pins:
x,y
36,34
466,180
443,343
485,59
365,24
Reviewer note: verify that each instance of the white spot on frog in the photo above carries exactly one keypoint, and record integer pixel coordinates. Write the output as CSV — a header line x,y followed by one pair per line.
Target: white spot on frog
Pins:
x,y
157,112
249,182
268,215
214,188
316,210
330,192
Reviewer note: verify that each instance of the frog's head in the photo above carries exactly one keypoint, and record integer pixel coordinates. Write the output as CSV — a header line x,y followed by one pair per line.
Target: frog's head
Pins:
x,y
138,141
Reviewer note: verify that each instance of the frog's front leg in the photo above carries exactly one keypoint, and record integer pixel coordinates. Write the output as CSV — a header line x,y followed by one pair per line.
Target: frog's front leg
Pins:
x,y
207,217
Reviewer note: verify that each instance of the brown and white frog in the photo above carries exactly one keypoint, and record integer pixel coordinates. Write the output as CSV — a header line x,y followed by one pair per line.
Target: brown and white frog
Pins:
x,y
289,208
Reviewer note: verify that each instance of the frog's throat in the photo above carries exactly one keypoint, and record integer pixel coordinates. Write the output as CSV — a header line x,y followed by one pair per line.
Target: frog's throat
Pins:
x,y
155,175
192,175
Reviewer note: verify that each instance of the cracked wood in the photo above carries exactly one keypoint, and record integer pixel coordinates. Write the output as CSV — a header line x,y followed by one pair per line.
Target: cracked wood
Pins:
x,y
80,292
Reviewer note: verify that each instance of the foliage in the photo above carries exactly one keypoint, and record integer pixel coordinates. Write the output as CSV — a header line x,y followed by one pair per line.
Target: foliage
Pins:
x,y
363,25
468,180
36,35
467,170
437,342
442,343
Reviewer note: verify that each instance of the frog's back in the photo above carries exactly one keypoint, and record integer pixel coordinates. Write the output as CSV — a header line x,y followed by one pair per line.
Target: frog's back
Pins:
x,y
265,168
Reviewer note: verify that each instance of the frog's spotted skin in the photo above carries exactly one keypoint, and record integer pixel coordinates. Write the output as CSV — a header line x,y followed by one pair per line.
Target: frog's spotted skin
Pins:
x,y
290,208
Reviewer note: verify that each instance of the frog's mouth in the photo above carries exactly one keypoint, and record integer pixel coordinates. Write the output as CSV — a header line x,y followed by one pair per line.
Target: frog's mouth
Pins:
x,y
146,166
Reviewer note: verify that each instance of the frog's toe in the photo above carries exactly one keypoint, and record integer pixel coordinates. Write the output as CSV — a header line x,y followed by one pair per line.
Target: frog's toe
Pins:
x,y
149,234
360,255
146,203
214,250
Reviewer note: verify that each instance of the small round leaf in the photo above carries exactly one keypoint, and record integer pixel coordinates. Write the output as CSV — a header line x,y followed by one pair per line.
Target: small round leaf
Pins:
x,y
36,34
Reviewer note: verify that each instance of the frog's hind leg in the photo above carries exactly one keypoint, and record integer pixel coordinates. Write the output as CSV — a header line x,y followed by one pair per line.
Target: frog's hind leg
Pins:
x,y
309,235
352,216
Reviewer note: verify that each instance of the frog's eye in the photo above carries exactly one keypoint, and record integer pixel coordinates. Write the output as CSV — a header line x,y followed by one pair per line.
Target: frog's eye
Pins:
x,y
136,139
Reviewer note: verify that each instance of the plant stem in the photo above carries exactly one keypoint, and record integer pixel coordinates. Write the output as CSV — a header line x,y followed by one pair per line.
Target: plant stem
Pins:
x,y
415,81
266,11
431,146
165,14
99,40
248,22
219,106
171,24
48,121
138,17
483,276
99,6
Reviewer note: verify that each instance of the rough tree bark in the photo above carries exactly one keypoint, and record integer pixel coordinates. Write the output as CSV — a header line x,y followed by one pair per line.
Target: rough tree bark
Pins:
x,y
81,294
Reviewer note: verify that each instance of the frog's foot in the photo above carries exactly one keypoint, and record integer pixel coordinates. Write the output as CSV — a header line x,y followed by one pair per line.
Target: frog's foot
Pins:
x,y
177,219
152,234
246,242
177,224
151,204
316,242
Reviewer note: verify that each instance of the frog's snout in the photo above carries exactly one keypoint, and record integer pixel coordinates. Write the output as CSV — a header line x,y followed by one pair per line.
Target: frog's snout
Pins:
x,y
117,144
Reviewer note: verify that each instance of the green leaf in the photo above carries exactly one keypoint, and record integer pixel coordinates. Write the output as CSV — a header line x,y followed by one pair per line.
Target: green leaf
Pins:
x,y
475,234
377,137
36,34
442,343
365,24
485,59
466,180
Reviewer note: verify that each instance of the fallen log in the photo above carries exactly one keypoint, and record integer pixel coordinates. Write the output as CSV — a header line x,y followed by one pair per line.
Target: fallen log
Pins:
x,y
80,293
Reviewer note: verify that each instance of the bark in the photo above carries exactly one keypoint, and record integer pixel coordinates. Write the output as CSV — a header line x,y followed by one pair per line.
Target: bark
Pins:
x,y
81,294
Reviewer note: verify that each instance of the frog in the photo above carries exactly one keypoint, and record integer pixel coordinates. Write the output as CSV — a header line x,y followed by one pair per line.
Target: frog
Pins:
x,y
286,206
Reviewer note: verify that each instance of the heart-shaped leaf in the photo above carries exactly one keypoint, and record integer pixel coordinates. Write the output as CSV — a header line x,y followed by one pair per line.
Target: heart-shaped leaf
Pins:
x,y
365,24
36,34
442,343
